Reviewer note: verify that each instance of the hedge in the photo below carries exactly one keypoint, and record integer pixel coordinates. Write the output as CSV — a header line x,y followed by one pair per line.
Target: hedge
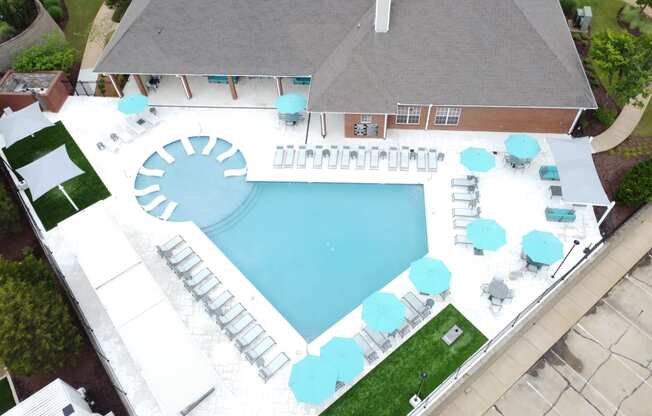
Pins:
x,y
636,187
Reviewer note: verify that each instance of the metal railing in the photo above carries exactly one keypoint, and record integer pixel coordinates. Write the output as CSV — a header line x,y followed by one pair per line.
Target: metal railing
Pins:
x,y
86,88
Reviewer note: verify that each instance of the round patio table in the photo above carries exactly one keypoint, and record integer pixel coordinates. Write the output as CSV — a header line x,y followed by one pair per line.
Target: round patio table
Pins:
x,y
498,289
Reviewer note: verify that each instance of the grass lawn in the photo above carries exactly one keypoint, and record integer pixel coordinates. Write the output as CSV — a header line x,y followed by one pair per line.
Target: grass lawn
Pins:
x,y
81,14
85,189
605,14
6,398
387,389
644,128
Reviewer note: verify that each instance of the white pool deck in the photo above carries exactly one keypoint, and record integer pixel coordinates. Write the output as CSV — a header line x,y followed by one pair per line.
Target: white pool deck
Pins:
x,y
516,199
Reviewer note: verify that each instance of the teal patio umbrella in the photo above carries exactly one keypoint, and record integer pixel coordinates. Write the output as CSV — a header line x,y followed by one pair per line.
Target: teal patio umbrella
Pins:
x,y
345,356
486,234
430,276
291,103
133,104
477,159
383,312
542,247
522,146
312,380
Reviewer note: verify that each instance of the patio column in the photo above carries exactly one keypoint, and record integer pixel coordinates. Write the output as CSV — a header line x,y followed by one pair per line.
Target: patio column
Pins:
x,y
322,122
279,85
577,118
385,127
114,82
140,84
186,86
234,93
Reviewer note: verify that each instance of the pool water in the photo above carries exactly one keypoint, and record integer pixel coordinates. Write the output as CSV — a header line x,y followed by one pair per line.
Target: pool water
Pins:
x,y
315,251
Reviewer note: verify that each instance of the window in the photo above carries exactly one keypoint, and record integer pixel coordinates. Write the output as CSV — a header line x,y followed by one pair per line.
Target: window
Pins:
x,y
365,118
408,114
448,116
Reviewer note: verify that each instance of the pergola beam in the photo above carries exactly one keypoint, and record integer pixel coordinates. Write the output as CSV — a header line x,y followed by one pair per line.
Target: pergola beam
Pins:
x,y
234,92
322,122
279,85
141,85
186,86
114,83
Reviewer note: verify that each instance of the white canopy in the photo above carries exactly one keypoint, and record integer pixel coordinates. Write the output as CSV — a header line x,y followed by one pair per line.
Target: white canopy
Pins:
x,y
49,172
579,181
22,123
55,399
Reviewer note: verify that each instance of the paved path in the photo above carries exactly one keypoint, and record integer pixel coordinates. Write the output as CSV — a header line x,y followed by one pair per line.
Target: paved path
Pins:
x,y
102,26
484,387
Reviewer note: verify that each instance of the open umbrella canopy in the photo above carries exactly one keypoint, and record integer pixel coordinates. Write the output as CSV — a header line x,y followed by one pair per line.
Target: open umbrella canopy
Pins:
x,y
486,234
19,124
312,380
49,171
345,356
430,276
291,103
542,247
522,146
383,312
133,104
477,159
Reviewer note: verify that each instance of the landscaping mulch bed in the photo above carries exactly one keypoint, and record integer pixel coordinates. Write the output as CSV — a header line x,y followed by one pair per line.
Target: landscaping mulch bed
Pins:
x,y
12,245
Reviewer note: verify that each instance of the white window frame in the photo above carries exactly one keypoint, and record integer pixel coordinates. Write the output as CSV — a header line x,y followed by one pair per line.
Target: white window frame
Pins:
x,y
366,118
447,116
408,114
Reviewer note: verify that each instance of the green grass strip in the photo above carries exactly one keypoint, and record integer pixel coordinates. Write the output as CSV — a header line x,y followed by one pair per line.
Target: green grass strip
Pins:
x,y
6,398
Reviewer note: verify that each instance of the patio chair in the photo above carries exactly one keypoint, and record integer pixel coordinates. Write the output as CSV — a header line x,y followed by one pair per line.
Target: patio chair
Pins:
x,y
232,313
411,315
100,146
178,255
404,330
334,157
392,158
369,354
135,127
549,173
257,351
147,190
421,159
206,287
466,212
151,205
114,138
405,158
151,172
515,162
214,305
461,223
279,156
466,196
170,245
361,159
375,158
515,275
485,288
233,329
381,341
186,265
152,117
168,211
318,159
273,366
248,337
191,280
469,181
345,161
421,308
301,157
432,160
461,240
288,162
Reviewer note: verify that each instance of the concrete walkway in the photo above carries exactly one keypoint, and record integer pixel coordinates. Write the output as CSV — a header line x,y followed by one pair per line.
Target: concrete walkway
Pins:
x,y
102,26
510,361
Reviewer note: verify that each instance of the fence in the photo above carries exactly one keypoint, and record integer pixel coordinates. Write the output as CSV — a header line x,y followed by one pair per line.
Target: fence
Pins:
x,y
488,346
99,88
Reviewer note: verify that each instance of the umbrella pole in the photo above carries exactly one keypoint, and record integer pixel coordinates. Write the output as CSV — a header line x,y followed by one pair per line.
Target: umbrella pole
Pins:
x,y
68,198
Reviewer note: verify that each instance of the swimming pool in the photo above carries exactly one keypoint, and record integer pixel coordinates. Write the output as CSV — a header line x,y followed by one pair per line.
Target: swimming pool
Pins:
x,y
315,251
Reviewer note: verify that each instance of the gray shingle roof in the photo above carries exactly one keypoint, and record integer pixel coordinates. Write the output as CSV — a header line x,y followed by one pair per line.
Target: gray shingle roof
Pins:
x,y
443,52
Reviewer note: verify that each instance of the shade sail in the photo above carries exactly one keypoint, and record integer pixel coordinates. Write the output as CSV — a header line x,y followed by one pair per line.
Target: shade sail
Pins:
x,y
49,171
579,180
23,123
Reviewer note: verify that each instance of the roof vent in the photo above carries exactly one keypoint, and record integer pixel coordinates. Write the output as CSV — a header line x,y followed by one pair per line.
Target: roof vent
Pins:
x,y
382,15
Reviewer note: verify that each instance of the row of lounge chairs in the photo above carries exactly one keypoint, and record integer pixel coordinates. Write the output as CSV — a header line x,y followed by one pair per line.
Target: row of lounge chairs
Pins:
x,y
232,318
465,190
135,126
361,157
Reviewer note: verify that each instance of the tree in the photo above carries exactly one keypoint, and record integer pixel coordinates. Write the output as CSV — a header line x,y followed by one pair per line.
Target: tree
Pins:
x,y
37,332
636,186
642,4
626,60
53,54
19,14
9,219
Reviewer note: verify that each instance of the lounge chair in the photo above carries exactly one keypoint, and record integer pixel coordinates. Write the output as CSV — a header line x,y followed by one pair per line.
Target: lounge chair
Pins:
x,y
212,141
187,265
345,160
169,209
288,162
549,173
466,212
116,140
279,155
462,240
318,159
192,279
404,330
100,146
154,203
555,191
214,305
375,158
258,350
301,157
369,354
405,158
361,160
466,196
147,190
421,308
469,181
432,160
227,153
169,245
334,157
165,155
392,158
187,146
178,255
135,127
228,173
236,327
381,341
206,287
150,172
421,159
273,366
461,223
229,315
411,315
247,338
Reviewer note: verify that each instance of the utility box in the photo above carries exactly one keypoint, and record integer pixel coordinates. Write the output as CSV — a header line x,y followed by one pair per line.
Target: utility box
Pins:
x,y
18,90
583,18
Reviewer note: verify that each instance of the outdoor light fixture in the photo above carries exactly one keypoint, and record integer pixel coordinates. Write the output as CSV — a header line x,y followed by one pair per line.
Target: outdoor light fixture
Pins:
x,y
575,243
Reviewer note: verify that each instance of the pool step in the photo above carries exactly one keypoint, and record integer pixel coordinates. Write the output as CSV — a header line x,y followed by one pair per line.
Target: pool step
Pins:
x,y
230,220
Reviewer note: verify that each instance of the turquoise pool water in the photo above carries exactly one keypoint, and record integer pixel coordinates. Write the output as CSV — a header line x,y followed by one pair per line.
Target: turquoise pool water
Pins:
x,y
315,251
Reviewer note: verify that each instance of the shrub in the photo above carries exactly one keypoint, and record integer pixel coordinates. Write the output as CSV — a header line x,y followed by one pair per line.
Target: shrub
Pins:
x,y
18,13
29,269
55,12
605,116
52,54
121,7
9,219
50,3
636,186
633,17
568,6
6,31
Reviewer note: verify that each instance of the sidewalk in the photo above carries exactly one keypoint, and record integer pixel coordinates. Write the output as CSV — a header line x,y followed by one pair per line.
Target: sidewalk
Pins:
x,y
495,377
102,26
621,129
